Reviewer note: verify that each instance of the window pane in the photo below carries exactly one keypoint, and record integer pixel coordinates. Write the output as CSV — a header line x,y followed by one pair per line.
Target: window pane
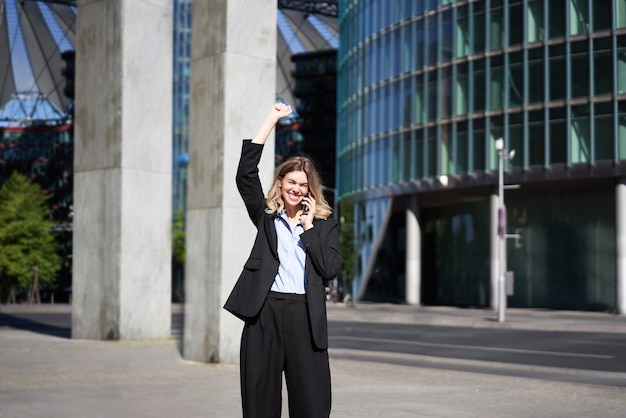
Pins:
x,y
496,29
496,86
446,92
447,35
620,8
433,38
432,95
579,16
407,152
557,77
419,98
418,30
580,74
516,24
603,72
535,23
407,103
536,139
558,136
478,150
580,135
432,152
462,90
516,142
462,147
602,15
479,86
479,28
462,32
556,16
536,81
603,131
516,80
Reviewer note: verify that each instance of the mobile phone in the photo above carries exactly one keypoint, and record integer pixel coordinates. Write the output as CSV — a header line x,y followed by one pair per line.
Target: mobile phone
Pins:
x,y
305,208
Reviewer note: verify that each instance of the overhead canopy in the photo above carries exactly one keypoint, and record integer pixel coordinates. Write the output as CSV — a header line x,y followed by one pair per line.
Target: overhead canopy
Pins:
x,y
33,35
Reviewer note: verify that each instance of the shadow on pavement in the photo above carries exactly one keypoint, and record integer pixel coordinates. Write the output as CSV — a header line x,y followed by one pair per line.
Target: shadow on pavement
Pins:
x,y
26,324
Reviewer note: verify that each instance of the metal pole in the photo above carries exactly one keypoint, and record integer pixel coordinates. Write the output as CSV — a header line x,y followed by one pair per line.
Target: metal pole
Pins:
x,y
501,238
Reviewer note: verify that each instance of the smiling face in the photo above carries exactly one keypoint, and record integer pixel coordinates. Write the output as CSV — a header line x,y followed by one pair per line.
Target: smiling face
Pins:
x,y
294,186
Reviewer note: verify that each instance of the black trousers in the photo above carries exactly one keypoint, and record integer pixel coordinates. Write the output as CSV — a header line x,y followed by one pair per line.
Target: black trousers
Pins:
x,y
279,340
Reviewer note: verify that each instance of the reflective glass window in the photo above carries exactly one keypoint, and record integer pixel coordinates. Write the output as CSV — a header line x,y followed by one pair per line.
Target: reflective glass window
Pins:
x,y
397,52
621,64
556,16
620,9
580,135
478,151
535,24
407,102
407,153
580,68
496,87
516,23
516,138
407,48
447,35
603,66
446,149
479,86
396,161
432,151
558,136
516,79
578,16
536,138
479,27
462,89
603,131
433,39
418,154
433,89
418,107
496,28
602,15
461,147
418,30
446,91
462,32
536,65
621,130
557,72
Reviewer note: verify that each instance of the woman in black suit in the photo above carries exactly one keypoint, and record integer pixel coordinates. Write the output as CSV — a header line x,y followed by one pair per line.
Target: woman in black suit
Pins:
x,y
281,292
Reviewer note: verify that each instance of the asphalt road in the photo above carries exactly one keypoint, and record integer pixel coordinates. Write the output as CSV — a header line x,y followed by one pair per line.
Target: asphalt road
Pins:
x,y
576,357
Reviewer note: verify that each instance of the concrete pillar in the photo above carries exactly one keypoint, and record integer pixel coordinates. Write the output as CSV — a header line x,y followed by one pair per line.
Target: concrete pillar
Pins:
x,y
413,252
493,249
233,81
620,234
122,170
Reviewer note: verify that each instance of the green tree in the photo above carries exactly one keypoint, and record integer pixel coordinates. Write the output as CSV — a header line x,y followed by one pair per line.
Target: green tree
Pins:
x,y
179,254
28,246
178,237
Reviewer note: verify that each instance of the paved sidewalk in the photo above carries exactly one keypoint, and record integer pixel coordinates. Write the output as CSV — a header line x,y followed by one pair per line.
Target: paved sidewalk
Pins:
x,y
47,376
531,319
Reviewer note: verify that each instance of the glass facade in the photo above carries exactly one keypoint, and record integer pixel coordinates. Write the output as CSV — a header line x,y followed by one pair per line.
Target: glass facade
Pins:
x,y
426,87
180,106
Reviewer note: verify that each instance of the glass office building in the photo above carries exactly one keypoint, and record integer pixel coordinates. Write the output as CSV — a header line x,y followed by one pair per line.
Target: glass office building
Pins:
x,y
425,89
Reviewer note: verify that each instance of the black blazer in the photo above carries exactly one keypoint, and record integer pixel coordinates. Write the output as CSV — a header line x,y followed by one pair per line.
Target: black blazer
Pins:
x,y
323,258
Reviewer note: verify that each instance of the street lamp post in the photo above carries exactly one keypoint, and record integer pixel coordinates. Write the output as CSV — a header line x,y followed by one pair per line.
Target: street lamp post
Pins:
x,y
503,154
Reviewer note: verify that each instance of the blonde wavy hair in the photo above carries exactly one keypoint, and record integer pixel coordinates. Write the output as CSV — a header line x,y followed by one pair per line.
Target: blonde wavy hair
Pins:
x,y
301,162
